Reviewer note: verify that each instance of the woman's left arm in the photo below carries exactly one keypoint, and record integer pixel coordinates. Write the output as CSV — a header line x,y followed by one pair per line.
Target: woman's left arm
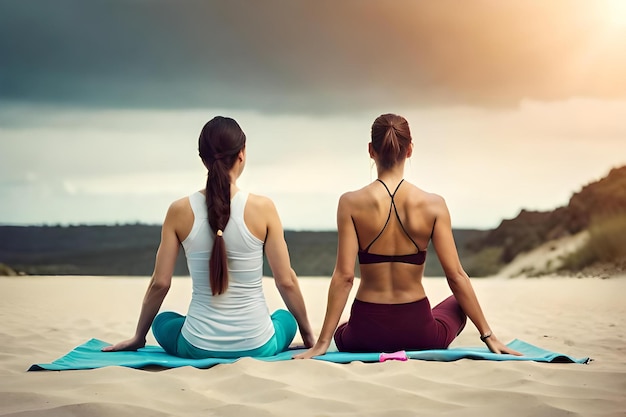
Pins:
x,y
159,284
285,277
458,280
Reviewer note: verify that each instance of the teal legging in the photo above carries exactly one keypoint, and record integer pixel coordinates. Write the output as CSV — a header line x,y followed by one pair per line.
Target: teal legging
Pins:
x,y
167,326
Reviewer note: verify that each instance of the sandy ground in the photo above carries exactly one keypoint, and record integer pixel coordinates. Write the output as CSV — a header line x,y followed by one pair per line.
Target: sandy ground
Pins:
x,y
43,318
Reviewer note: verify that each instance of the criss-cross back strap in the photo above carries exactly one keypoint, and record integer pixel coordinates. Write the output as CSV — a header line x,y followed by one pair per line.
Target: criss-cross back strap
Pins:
x,y
393,207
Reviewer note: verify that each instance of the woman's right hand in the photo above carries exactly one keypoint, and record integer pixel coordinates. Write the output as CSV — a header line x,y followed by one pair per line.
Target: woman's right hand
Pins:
x,y
130,344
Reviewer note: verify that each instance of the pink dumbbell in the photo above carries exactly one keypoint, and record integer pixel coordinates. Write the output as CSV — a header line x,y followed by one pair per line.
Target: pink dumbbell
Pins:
x,y
396,356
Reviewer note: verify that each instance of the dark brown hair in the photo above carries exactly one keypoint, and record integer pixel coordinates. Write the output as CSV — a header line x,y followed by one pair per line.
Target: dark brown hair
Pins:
x,y
220,141
391,139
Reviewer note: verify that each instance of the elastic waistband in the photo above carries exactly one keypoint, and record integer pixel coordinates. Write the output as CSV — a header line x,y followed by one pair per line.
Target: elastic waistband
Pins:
x,y
365,307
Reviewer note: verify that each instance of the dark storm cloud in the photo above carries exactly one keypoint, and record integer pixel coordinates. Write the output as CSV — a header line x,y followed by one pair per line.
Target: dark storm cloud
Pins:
x,y
303,56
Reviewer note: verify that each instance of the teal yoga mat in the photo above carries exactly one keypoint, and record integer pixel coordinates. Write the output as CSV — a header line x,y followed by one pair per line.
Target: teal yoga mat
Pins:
x,y
89,356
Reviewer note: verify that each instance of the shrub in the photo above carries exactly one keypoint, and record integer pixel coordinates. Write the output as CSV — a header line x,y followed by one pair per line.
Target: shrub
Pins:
x,y
606,243
484,263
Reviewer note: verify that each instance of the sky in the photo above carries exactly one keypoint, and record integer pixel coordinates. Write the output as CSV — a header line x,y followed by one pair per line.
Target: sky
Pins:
x,y
512,105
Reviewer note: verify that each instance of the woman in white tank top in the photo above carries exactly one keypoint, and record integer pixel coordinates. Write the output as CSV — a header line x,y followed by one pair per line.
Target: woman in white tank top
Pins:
x,y
224,232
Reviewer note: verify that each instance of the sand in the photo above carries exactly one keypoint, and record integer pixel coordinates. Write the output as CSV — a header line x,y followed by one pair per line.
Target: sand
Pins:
x,y
45,317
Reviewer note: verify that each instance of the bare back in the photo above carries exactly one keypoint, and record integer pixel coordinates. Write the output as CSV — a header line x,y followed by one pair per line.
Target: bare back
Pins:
x,y
375,222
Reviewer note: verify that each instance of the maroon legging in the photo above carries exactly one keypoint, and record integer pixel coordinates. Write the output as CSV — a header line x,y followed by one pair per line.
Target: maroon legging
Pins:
x,y
391,327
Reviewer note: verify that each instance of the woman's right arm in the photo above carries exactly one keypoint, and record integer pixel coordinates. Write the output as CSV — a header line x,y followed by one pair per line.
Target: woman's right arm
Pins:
x,y
458,280
341,281
159,284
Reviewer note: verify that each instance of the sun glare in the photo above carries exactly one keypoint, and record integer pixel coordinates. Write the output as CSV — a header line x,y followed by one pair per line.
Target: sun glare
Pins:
x,y
616,13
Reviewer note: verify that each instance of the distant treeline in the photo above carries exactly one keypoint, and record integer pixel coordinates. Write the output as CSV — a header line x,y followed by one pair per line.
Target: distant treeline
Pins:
x,y
600,208
131,250
82,250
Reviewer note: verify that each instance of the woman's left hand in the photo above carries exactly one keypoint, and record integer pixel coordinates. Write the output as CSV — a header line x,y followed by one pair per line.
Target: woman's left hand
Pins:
x,y
497,346
130,344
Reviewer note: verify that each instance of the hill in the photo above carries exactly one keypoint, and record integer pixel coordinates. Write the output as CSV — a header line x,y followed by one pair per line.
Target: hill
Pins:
x,y
597,212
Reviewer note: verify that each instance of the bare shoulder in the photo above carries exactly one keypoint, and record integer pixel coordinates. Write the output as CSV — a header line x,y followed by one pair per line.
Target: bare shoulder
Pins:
x,y
261,216
261,205
260,202
179,207
350,197
431,202
356,197
436,205
435,200
179,218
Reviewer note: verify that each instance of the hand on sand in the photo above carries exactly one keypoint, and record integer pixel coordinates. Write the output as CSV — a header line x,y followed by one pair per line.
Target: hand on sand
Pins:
x,y
130,344
497,346
314,351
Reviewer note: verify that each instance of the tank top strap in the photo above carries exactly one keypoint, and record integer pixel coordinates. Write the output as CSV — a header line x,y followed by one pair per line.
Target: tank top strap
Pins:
x,y
238,204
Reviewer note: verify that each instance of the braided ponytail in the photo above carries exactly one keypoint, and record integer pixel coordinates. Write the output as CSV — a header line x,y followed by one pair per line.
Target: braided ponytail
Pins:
x,y
220,142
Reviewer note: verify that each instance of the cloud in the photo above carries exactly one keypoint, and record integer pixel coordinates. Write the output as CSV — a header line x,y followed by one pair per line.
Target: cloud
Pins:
x,y
93,165
312,56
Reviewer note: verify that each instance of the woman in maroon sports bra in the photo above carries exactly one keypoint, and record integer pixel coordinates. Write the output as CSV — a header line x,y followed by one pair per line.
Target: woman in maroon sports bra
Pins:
x,y
388,225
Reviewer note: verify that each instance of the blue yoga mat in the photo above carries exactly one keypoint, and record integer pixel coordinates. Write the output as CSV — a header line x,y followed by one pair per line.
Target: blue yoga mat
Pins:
x,y
89,356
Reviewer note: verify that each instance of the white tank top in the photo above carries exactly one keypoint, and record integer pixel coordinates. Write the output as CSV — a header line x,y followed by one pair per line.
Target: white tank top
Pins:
x,y
239,318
